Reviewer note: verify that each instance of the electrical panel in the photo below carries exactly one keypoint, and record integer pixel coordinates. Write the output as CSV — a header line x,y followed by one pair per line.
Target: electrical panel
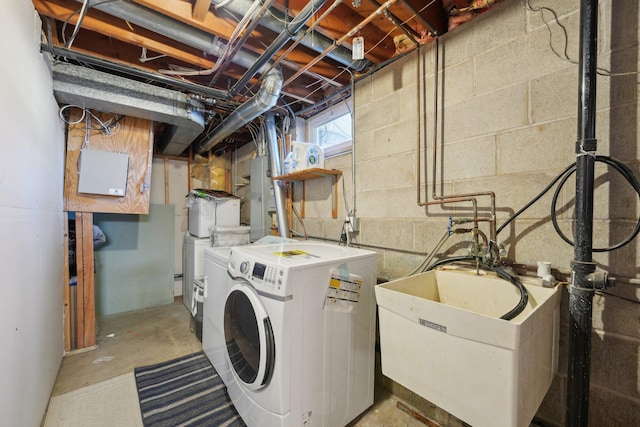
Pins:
x,y
262,198
103,173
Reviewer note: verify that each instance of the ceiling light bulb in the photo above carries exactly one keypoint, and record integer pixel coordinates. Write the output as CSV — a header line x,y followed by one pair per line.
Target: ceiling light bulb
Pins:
x,y
356,3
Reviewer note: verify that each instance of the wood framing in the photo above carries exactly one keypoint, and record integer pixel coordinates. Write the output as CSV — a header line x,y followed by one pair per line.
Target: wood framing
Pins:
x,y
133,136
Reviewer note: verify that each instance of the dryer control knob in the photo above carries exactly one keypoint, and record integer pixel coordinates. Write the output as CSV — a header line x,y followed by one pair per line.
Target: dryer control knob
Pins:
x,y
244,267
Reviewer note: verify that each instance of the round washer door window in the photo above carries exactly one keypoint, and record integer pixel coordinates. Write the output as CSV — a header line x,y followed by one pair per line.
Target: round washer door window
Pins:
x,y
249,337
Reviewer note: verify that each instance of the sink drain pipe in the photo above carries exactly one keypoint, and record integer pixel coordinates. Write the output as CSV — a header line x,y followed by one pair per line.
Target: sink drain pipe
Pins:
x,y
582,267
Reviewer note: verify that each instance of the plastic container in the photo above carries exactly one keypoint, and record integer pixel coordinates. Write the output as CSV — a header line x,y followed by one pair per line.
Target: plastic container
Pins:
x,y
204,214
289,164
441,337
231,236
303,156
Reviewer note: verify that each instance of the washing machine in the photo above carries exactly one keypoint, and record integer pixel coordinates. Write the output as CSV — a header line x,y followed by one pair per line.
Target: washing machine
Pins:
x,y
216,286
299,330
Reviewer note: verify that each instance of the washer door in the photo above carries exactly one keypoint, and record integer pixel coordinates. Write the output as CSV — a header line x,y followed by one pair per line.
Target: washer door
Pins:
x,y
249,337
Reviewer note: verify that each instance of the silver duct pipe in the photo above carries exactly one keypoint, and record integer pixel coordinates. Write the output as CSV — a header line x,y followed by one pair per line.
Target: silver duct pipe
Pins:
x,y
314,41
290,30
279,192
261,102
176,30
161,24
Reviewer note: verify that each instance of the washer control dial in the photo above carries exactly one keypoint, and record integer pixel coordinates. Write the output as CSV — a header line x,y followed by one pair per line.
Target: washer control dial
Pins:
x,y
244,267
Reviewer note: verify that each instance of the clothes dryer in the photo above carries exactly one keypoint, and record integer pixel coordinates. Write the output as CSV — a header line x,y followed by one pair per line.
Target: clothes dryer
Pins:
x,y
216,287
299,327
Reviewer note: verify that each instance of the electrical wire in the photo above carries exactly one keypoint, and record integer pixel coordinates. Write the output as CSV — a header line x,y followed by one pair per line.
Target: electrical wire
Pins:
x,y
83,13
561,179
297,214
108,127
565,55
631,179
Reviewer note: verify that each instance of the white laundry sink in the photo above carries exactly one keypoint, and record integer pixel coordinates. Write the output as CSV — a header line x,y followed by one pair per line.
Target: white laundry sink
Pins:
x,y
442,337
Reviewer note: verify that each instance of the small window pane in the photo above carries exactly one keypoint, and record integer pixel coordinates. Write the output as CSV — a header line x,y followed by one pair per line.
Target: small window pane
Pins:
x,y
333,132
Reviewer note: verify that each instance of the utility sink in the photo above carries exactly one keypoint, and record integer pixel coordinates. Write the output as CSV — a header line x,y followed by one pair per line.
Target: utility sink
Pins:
x,y
441,337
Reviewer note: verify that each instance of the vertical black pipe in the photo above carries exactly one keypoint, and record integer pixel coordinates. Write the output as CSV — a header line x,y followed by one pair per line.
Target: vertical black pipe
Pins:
x,y
581,290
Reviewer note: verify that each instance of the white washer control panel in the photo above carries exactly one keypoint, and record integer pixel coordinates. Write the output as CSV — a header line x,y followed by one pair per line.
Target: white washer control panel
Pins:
x,y
264,277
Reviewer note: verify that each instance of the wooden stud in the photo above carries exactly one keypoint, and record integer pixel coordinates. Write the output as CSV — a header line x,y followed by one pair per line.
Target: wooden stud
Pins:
x,y
79,303
166,181
88,295
200,9
66,309
189,167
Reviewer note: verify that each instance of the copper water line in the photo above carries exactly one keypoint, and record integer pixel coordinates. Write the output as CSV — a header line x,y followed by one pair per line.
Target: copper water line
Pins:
x,y
338,42
454,198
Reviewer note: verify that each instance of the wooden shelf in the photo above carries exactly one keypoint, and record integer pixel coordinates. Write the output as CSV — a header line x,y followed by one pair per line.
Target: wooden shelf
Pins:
x,y
314,173
311,173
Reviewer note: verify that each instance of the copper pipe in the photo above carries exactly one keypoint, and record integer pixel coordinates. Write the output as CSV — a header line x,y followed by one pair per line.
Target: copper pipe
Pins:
x,y
338,42
454,198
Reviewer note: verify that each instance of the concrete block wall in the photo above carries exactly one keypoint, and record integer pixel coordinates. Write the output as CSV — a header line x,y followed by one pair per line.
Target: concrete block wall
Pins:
x,y
507,124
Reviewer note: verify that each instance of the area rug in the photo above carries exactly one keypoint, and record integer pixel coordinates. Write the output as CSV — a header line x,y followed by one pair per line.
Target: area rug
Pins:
x,y
106,404
184,392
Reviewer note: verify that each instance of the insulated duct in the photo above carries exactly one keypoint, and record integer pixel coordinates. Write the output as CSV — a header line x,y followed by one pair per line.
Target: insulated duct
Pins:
x,y
279,192
85,87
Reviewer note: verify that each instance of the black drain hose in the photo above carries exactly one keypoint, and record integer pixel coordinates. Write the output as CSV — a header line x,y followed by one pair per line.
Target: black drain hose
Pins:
x,y
524,295
562,178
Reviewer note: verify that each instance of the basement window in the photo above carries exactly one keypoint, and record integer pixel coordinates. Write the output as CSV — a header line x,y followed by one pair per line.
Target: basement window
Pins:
x,y
331,129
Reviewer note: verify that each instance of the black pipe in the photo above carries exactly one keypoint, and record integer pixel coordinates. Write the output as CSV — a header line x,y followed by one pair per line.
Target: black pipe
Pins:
x,y
581,289
290,30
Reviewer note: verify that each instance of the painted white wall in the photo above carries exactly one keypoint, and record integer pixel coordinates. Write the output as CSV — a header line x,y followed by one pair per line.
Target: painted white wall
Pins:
x,y
178,173
31,222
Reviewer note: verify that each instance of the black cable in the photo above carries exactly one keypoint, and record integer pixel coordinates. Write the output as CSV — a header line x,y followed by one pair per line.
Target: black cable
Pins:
x,y
524,295
561,179
631,179
536,198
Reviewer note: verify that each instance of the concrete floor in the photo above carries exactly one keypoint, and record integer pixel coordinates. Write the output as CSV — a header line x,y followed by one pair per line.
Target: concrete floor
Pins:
x,y
158,334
